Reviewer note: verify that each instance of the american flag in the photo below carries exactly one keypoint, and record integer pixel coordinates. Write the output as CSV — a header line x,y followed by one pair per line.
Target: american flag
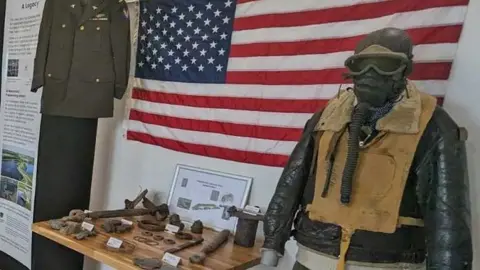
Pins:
x,y
237,80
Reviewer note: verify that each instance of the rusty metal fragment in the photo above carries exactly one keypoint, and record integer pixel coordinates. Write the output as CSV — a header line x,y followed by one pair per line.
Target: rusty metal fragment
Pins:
x,y
169,241
148,264
197,227
75,216
185,245
71,228
56,224
151,225
145,240
80,215
131,204
161,212
84,234
158,237
175,220
184,236
213,245
116,226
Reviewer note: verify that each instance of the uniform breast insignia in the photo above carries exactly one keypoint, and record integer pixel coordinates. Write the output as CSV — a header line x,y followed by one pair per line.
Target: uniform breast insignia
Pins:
x,y
99,19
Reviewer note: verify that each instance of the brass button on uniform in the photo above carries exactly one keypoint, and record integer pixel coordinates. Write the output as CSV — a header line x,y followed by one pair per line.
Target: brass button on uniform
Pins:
x,y
82,28
97,80
98,28
64,25
49,75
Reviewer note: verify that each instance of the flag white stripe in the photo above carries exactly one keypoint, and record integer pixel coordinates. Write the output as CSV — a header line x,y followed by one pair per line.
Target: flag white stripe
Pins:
x,y
404,20
323,91
422,53
214,139
272,119
288,6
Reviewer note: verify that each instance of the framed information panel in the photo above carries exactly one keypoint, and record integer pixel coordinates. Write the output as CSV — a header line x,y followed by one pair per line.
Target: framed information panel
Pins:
x,y
201,194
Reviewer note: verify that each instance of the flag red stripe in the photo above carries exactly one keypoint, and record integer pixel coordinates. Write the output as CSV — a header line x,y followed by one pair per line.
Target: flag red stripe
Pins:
x,y
339,14
265,159
232,103
421,71
427,35
244,1
234,129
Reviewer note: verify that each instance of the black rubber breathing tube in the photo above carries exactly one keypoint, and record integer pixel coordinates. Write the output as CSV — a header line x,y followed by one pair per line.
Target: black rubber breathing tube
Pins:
x,y
358,118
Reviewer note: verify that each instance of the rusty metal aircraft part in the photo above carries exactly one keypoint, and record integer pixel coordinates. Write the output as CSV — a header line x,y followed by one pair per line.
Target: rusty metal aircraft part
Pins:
x,y
161,212
185,245
210,247
131,204
151,225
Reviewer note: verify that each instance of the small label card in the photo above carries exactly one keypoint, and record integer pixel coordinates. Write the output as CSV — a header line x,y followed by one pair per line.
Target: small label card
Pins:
x,y
87,211
251,210
172,228
171,259
114,242
127,222
87,226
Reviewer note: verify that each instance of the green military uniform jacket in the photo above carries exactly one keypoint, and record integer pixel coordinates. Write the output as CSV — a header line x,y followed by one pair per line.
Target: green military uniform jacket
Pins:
x,y
83,57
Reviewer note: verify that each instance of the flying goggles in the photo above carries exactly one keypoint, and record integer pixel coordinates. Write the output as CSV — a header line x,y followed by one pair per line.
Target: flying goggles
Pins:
x,y
379,58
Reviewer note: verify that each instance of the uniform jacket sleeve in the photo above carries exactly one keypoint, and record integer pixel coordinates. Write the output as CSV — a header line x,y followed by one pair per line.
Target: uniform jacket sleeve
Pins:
x,y
120,38
286,199
446,198
43,46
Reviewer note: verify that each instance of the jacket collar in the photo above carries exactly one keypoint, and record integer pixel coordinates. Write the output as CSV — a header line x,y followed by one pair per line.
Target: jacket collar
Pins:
x,y
403,118
90,10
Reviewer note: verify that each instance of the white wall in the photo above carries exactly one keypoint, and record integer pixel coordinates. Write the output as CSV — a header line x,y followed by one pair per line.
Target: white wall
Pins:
x,y
122,168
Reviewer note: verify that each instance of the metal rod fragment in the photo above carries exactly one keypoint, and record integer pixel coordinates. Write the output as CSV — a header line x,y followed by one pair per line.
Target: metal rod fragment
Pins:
x,y
186,245
213,245
79,215
119,213
131,204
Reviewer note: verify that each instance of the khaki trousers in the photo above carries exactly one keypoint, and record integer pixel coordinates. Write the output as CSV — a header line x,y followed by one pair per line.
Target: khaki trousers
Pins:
x,y
308,259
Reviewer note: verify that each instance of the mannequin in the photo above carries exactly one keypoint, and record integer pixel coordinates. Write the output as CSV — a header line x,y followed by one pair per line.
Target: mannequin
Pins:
x,y
378,179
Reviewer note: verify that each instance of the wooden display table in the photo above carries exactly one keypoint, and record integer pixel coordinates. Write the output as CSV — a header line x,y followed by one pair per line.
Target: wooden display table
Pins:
x,y
229,256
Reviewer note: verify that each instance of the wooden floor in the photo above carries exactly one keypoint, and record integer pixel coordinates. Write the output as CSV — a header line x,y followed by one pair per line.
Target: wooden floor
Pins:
x,y
230,256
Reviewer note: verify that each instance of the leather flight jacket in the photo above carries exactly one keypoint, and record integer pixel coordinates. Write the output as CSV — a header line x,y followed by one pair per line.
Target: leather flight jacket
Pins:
x,y
436,191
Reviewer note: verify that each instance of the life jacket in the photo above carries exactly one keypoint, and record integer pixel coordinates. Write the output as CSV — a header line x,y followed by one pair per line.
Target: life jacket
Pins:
x,y
382,169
